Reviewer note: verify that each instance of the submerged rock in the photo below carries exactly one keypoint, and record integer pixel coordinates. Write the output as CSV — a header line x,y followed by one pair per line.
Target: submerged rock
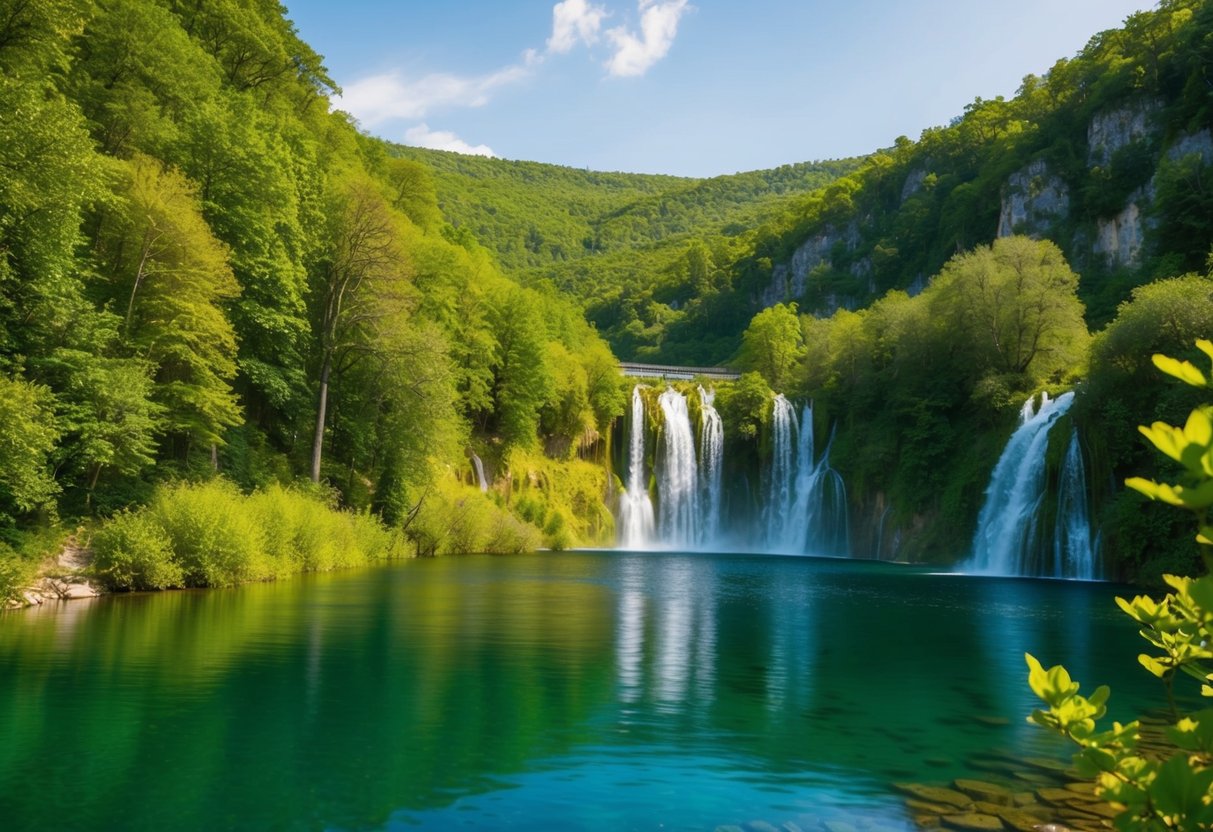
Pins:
x,y
935,794
989,792
973,822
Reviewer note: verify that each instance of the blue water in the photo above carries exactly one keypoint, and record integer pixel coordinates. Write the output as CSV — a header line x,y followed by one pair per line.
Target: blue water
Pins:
x,y
550,691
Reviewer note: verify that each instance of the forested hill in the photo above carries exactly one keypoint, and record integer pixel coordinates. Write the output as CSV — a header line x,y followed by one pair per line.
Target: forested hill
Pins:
x,y
631,248
534,215
1106,154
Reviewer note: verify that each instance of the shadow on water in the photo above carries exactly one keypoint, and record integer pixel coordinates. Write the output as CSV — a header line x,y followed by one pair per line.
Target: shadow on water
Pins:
x,y
543,691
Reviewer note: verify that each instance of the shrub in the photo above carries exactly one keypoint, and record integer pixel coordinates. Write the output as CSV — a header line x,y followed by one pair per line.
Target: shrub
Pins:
x,y
216,539
133,552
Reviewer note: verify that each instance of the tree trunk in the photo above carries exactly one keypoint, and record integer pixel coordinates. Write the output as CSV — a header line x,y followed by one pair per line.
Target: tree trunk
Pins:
x,y
321,406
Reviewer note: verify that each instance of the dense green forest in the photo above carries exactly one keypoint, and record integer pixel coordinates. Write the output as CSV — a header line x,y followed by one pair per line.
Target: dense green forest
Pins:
x,y
204,269
208,274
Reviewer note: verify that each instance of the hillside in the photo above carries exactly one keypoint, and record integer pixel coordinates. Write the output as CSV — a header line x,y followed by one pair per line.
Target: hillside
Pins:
x,y
647,242
1105,155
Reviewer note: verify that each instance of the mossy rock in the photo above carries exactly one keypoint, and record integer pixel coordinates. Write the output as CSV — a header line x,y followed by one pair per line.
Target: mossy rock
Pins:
x,y
973,822
983,790
935,794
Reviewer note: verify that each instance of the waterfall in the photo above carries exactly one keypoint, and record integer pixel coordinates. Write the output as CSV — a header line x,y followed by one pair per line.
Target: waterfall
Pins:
x,y
781,485
677,475
1074,553
478,464
711,464
803,506
1006,539
809,501
635,507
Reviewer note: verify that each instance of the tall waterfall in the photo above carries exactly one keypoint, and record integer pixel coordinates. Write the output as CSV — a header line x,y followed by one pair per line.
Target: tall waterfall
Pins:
x,y
636,524
782,475
677,474
1006,540
807,511
802,507
711,466
1074,553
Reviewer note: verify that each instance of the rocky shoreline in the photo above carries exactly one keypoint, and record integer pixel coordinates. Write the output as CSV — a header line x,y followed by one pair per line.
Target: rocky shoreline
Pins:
x,y
66,579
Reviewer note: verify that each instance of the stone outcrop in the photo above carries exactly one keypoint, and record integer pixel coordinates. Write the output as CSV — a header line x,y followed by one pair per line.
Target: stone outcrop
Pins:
x,y
1111,130
789,280
1200,142
1120,239
1032,201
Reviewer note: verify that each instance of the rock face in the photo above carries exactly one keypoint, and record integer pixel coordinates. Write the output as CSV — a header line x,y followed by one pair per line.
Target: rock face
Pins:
x,y
913,184
1032,200
1185,145
789,280
1111,130
1120,239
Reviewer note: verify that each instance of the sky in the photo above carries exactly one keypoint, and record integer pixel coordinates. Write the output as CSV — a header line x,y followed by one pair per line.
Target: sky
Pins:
x,y
685,87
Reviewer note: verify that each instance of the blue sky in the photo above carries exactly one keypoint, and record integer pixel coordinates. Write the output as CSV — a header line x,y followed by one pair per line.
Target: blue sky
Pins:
x,y
688,87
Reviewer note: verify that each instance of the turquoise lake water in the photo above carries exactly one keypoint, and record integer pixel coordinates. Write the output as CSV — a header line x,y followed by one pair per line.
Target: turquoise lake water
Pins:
x,y
592,690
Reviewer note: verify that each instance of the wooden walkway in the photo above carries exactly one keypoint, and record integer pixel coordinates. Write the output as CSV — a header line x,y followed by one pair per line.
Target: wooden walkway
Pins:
x,y
673,373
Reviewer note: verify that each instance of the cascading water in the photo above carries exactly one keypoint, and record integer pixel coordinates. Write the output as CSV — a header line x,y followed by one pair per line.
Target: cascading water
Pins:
x,y
711,465
1074,553
808,510
478,464
782,475
636,524
1006,539
804,510
677,475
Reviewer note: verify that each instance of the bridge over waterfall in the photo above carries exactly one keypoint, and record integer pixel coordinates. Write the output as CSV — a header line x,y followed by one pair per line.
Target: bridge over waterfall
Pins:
x,y
675,373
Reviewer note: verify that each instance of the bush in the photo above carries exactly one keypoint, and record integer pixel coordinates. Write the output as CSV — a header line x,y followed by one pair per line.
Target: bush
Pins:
x,y
133,552
216,539
15,573
210,534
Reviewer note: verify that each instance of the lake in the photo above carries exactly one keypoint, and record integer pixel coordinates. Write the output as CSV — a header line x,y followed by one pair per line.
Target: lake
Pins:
x,y
582,690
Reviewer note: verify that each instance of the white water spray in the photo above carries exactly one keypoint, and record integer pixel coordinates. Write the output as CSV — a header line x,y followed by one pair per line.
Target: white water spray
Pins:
x,y
1074,553
711,465
636,522
1005,543
677,474
478,464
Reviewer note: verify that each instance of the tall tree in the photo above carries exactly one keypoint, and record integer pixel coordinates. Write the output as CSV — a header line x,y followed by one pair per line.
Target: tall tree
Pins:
x,y
362,283
171,277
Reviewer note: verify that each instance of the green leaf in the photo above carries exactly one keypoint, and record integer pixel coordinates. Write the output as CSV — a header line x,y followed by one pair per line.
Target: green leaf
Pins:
x,y
1185,371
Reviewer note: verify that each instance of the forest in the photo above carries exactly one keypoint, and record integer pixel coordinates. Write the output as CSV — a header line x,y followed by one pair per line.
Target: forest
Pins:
x,y
205,270
214,284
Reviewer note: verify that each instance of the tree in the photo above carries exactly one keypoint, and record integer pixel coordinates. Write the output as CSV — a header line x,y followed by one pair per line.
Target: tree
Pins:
x,y
523,380
772,345
170,277
28,433
362,280
1016,303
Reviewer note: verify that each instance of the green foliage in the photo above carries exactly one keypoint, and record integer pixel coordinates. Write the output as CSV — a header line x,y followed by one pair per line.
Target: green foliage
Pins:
x,y
210,534
15,572
1151,792
1123,390
27,439
772,346
133,552
458,519
745,407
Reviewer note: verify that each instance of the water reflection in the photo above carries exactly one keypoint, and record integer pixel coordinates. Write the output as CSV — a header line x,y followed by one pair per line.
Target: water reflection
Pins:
x,y
536,691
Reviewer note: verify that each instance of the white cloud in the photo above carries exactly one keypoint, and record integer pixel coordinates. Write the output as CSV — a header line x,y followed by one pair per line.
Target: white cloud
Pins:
x,y
380,98
423,136
573,22
635,54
